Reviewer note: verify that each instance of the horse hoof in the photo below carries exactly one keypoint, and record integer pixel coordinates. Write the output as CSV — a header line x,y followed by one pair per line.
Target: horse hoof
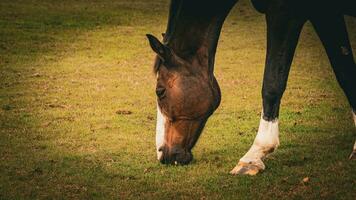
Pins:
x,y
246,169
353,156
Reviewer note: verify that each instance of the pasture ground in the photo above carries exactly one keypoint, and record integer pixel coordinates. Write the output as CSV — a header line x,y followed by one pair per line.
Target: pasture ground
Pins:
x,y
77,109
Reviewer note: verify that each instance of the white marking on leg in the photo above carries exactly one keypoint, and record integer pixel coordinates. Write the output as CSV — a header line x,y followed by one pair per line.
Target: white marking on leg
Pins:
x,y
353,154
354,116
159,132
266,141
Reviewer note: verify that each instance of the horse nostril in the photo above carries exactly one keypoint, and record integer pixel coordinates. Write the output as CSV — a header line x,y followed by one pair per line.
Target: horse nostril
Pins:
x,y
160,92
160,149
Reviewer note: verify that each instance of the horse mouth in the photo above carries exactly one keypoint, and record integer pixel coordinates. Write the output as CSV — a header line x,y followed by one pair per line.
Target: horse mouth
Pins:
x,y
175,156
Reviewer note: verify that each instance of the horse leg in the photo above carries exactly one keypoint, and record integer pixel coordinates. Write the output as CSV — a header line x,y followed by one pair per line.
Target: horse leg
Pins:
x,y
332,32
282,37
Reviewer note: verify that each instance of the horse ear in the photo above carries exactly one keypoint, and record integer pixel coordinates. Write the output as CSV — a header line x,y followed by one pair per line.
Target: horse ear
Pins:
x,y
164,52
163,35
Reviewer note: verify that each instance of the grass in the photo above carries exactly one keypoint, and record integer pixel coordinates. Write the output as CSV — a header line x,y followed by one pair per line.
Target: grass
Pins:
x,y
77,109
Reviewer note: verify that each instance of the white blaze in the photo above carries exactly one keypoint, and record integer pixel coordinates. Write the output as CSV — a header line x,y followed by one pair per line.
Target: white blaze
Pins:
x,y
159,131
267,140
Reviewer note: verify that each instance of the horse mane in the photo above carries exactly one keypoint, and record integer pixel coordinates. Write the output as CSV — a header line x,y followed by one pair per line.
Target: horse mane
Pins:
x,y
205,16
175,6
173,12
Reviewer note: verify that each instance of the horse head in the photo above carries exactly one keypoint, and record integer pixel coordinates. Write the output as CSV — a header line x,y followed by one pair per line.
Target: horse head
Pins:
x,y
187,94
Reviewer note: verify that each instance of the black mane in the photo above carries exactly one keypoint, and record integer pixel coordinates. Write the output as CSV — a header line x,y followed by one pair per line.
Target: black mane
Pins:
x,y
193,28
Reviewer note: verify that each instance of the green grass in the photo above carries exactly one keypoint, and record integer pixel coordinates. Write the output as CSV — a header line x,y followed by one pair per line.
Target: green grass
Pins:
x,y
69,70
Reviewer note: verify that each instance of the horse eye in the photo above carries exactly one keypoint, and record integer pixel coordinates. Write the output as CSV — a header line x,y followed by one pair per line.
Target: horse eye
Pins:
x,y
161,92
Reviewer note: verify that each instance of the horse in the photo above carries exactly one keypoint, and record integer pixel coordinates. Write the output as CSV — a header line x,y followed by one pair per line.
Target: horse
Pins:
x,y
188,92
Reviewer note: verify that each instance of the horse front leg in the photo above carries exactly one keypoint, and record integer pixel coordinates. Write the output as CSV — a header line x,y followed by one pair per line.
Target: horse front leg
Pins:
x,y
283,33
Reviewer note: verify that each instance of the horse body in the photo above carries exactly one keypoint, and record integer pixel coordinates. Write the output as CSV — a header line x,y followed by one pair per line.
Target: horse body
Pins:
x,y
188,92
309,8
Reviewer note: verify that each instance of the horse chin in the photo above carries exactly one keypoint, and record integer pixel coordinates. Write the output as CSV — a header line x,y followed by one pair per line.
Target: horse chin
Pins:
x,y
175,156
184,158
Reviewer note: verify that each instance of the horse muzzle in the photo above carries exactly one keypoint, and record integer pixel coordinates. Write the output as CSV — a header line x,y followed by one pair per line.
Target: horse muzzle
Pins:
x,y
176,155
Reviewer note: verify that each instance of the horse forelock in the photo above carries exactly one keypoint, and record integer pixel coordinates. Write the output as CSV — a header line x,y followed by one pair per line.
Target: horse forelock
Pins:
x,y
156,65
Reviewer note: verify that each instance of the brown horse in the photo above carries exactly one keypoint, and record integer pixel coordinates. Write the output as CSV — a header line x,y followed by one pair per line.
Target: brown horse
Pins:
x,y
188,93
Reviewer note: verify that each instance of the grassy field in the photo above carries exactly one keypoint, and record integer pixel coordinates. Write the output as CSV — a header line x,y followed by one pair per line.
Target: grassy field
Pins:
x,y
77,109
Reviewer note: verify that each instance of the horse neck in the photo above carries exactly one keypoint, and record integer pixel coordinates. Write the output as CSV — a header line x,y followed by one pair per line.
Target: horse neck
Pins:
x,y
194,28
